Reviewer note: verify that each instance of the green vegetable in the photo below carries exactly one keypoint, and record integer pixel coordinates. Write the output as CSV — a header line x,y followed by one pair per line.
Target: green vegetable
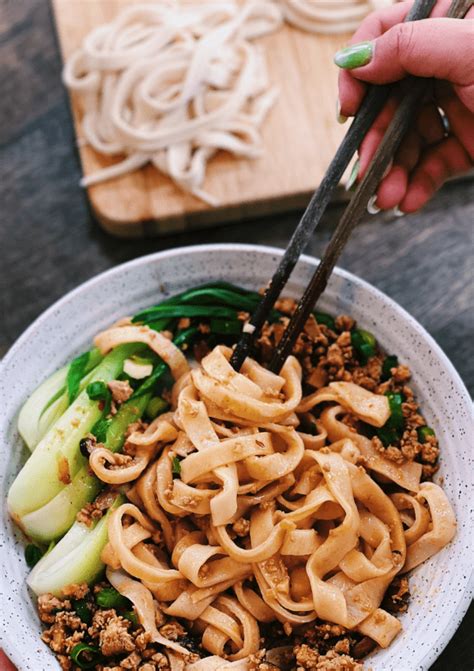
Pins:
x,y
49,401
32,555
183,339
130,615
392,430
159,324
75,559
176,466
226,326
327,320
33,420
55,518
85,656
387,435
75,374
100,428
156,406
179,311
389,363
57,457
220,296
396,419
98,391
364,344
81,606
424,432
108,597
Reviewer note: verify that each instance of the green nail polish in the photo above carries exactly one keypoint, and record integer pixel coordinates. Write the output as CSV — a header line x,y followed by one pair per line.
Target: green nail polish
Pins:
x,y
354,56
353,176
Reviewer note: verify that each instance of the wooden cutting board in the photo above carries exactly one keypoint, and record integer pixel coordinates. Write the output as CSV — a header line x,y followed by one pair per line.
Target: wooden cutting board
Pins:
x,y
300,136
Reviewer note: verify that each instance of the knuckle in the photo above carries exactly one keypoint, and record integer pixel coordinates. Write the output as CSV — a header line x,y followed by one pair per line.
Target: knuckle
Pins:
x,y
405,40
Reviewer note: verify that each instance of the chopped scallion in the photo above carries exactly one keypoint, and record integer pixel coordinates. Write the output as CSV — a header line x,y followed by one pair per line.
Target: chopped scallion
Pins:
x,y
364,344
110,598
389,363
85,656
325,319
424,432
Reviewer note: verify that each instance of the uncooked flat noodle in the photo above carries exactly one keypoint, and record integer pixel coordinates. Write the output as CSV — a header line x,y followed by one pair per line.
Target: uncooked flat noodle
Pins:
x,y
172,83
298,532
329,16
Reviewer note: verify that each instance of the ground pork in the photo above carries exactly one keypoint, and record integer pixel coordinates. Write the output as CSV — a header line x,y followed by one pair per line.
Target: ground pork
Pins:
x,y
120,390
92,512
308,659
115,639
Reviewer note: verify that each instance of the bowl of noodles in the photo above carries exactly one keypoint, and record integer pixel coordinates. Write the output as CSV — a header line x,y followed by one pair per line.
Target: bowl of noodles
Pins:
x,y
164,511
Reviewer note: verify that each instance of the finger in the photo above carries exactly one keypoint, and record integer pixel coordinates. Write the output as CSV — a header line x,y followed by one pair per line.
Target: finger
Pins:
x,y
351,91
461,121
393,187
438,163
430,125
5,664
439,48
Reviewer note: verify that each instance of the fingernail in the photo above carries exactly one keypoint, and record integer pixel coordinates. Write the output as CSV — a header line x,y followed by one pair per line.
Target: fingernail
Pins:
x,y
340,117
397,212
354,56
353,176
372,207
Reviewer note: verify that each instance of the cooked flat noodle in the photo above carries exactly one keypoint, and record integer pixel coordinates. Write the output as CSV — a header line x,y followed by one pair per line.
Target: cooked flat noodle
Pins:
x,y
440,531
170,354
260,523
371,408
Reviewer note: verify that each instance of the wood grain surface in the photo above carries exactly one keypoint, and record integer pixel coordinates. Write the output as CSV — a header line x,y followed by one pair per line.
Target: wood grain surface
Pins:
x,y
300,136
50,243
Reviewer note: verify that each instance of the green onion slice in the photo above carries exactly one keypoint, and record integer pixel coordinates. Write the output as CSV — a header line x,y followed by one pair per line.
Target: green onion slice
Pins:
x,y
110,598
85,656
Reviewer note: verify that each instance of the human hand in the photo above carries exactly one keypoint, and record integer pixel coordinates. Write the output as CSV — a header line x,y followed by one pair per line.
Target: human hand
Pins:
x,y
5,664
386,50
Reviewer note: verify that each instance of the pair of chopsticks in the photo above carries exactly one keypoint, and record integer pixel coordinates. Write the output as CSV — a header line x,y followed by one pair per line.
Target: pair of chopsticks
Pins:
x,y
414,91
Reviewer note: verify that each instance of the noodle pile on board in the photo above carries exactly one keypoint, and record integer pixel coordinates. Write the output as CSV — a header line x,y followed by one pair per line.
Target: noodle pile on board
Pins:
x,y
329,16
237,517
172,83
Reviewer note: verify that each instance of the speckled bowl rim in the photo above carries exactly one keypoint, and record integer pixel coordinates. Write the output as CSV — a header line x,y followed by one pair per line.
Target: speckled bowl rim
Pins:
x,y
457,608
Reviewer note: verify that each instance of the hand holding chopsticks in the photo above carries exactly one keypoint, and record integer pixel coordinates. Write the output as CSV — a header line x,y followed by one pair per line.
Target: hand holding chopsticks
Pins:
x,y
415,90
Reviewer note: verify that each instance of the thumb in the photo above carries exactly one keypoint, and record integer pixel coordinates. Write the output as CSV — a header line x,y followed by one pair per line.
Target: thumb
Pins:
x,y
440,48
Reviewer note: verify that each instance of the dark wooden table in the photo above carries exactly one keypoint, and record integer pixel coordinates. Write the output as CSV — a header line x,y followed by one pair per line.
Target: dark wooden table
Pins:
x,y
49,242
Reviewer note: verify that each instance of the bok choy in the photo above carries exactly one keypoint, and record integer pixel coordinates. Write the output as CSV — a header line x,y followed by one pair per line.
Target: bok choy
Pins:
x,y
48,402
75,559
53,519
57,458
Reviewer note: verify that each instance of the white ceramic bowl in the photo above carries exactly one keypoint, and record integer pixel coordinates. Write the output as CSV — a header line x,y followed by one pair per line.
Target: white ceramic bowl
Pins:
x,y
441,586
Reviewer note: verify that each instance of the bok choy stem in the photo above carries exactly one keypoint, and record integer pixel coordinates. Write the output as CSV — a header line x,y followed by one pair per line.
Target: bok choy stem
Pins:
x,y
75,559
53,519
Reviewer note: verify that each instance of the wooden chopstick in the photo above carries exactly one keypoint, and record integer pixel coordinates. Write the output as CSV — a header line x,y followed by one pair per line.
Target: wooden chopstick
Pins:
x,y
415,90
371,106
